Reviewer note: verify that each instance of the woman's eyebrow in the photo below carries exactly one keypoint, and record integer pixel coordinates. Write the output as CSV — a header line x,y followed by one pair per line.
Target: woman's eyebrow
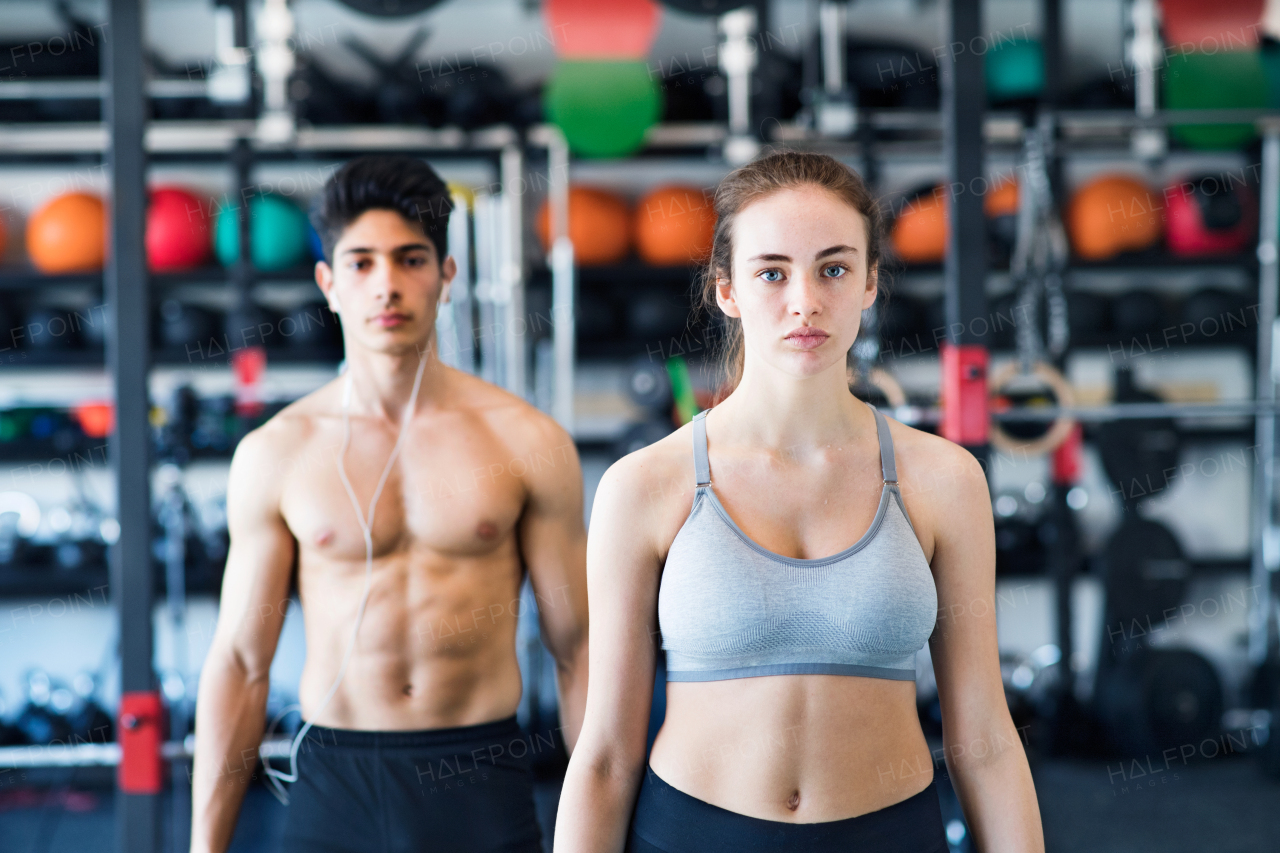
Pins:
x,y
834,250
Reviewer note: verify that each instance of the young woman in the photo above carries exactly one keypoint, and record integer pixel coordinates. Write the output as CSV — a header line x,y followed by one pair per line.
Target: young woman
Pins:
x,y
792,550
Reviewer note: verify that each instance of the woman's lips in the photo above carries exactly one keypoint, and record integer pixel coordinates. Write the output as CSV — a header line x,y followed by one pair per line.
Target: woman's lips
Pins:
x,y
807,337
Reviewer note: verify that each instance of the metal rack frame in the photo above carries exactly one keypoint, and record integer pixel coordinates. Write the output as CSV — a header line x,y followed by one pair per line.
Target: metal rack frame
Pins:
x,y
137,813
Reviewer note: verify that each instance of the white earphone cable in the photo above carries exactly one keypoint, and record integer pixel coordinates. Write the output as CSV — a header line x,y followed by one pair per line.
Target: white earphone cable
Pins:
x,y
366,527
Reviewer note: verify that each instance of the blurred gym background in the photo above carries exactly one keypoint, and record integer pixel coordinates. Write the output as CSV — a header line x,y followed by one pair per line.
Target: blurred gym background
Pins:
x,y
1098,330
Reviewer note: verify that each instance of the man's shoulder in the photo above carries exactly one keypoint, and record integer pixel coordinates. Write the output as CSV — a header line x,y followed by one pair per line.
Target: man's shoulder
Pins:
x,y
288,430
513,419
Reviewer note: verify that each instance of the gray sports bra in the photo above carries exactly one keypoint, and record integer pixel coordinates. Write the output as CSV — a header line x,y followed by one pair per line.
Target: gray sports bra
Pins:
x,y
729,608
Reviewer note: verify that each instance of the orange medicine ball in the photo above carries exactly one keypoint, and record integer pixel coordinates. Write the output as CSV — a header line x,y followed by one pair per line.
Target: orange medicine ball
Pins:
x,y
68,235
674,225
1113,214
920,231
599,226
1002,200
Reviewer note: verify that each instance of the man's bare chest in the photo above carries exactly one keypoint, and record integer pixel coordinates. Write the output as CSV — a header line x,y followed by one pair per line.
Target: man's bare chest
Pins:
x,y
456,496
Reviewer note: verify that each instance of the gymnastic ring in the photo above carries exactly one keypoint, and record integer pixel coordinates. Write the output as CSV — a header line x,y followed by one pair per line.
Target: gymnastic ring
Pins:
x,y
888,385
885,383
1061,427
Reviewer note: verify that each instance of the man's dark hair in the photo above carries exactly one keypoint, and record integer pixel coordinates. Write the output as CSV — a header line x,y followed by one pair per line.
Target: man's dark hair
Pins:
x,y
406,185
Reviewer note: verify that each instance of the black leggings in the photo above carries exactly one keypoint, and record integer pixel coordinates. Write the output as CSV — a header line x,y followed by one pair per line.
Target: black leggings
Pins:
x,y
453,790
667,820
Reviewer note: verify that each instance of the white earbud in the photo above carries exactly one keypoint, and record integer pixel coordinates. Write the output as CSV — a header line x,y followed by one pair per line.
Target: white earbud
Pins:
x,y
337,303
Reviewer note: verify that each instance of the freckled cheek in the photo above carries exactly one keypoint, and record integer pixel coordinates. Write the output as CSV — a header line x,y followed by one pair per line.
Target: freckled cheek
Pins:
x,y
764,313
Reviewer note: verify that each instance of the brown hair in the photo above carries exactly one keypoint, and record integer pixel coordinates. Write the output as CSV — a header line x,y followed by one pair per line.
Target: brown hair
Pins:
x,y
779,170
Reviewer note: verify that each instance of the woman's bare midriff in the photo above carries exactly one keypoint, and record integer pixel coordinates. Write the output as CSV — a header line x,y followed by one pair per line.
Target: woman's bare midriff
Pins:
x,y
794,748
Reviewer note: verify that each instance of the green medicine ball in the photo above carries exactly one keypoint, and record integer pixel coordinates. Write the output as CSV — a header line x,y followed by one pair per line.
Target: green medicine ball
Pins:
x,y
1207,81
604,108
278,234
1014,69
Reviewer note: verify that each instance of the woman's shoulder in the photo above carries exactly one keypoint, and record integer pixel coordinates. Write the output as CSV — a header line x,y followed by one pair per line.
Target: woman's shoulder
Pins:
x,y
651,488
663,468
940,481
924,458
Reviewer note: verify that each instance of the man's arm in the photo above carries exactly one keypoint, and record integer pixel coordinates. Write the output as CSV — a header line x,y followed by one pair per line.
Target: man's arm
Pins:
x,y
553,544
232,703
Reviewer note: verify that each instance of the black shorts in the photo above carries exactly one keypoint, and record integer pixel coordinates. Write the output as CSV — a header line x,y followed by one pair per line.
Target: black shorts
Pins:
x,y
467,789
667,820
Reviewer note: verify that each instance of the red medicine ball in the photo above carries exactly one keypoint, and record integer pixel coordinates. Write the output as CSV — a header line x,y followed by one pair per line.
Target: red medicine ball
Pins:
x,y
178,234
1210,215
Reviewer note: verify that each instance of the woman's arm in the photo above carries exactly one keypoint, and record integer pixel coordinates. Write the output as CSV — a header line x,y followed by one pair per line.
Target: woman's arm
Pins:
x,y
982,749
606,768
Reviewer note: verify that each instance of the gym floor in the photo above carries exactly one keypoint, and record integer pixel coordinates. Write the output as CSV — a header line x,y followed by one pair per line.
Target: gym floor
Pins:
x,y
1222,805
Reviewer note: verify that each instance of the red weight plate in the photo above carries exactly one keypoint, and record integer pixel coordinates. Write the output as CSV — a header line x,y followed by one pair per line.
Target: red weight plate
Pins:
x,y
590,29
1202,27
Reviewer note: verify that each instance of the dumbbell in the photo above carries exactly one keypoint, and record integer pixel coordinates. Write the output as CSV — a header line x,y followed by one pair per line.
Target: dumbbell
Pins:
x,y
1215,312
9,324
1138,453
1157,700
649,385
183,325
50,330
643,434
655,316
480,98
39,721
1088,315
74,554
89,722
1018,548
902,317
595,316
252,326
1137,313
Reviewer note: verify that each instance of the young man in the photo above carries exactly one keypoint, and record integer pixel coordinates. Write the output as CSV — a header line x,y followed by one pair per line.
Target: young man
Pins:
x,y
416,746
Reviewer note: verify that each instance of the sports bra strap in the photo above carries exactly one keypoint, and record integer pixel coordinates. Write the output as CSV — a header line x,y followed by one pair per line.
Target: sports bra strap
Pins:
x,y
888,467
701,467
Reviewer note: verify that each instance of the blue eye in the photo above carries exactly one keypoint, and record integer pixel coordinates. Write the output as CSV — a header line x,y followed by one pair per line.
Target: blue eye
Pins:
x,y
766,273
841,270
